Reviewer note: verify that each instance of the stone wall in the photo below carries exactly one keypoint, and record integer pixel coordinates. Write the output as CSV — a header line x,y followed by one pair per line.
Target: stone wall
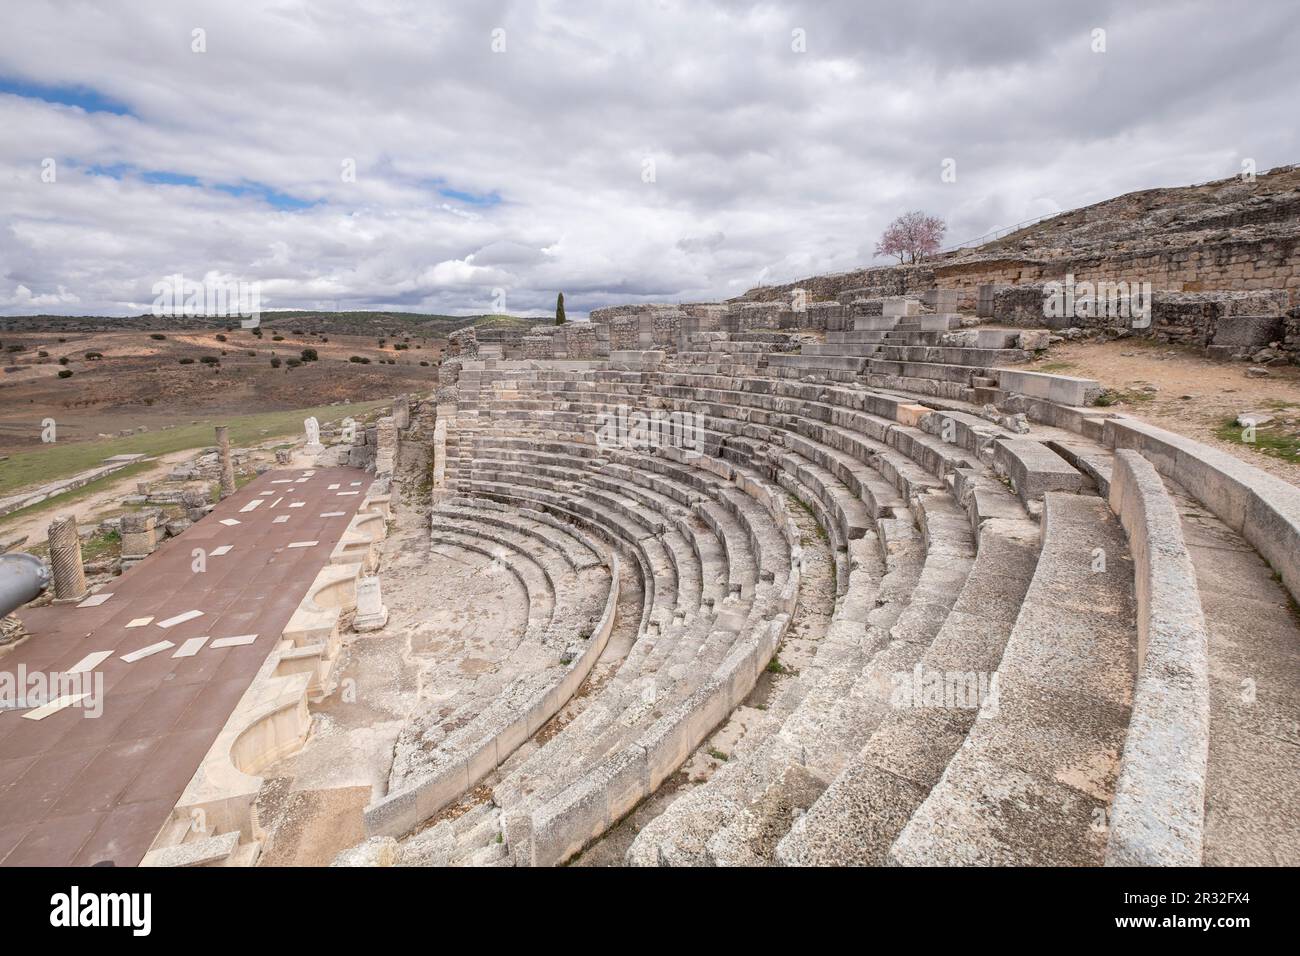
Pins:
x,y
538,344
1232,321
463,343
1241,265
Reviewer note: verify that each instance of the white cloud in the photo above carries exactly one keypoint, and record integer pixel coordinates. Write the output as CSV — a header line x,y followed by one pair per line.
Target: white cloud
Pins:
x,y
523,170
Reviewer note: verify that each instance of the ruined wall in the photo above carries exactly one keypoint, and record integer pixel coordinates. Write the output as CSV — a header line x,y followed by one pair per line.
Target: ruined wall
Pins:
x,y
868,283
1240,266
462,343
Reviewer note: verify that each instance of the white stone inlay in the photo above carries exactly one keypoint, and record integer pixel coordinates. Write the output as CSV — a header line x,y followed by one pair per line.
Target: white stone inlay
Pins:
x,y
280,520
333,514
149,651
89,662
54,706
282,481
218,552
333,487
229,522
275,502
180,618
239,641
139,621
252,505
297,504
190,647
303,544
95,600
355,484
344,494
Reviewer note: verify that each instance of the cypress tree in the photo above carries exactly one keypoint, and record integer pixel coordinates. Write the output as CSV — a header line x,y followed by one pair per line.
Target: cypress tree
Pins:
x,y
559,309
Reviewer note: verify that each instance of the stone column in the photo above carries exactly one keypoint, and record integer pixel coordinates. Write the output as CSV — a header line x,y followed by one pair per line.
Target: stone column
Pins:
x,y
227,465
65,559
139,537
402,411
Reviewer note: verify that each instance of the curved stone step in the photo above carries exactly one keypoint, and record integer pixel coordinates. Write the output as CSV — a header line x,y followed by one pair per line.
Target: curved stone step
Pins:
x,y
1033,784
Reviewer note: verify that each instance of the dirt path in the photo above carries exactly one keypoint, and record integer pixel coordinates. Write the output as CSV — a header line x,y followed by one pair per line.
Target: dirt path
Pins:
x,y
1193,396
93,508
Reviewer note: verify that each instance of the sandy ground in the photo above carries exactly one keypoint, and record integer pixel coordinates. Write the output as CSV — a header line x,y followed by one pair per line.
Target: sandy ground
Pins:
x,y
312,801
139,380
1193,396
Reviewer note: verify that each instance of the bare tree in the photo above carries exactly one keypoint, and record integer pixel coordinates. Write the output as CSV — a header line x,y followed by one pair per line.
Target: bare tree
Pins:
x,y
912,237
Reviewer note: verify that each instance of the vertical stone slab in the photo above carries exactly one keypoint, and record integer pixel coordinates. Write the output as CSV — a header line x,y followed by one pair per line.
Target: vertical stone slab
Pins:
x,y
440,452
402,411
227,464
371,613
385,445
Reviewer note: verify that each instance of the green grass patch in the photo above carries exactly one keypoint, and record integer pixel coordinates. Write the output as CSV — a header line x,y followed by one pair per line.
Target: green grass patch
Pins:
x,y
1269,440
69,497
63,459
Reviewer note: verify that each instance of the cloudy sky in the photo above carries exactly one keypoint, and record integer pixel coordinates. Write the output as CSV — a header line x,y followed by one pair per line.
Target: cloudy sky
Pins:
x,y
421,156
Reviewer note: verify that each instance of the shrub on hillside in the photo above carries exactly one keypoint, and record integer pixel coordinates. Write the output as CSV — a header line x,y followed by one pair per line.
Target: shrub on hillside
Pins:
x,y
65,373
275,363
187,361
157,336
309,355
359,359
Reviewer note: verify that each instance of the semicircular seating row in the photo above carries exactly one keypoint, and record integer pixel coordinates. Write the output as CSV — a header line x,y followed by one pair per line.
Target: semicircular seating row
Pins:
x,y
939,568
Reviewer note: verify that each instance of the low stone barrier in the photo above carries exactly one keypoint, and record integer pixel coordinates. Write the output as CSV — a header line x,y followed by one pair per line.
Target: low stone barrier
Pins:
x,y
397,813
1262,509
1158,814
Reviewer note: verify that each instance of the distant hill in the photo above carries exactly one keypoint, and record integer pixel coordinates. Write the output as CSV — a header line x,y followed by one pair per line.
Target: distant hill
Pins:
x,y
313,322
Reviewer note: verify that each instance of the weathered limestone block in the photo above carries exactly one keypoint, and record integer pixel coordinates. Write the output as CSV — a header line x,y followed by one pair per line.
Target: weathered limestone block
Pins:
x,y
139,536
372,615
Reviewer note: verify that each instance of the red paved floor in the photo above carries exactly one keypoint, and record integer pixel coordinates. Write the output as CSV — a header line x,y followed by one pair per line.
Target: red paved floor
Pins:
x,y
76,790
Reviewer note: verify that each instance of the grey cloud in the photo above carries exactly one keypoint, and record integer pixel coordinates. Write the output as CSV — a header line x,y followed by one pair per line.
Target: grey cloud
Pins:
x,y
770,164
